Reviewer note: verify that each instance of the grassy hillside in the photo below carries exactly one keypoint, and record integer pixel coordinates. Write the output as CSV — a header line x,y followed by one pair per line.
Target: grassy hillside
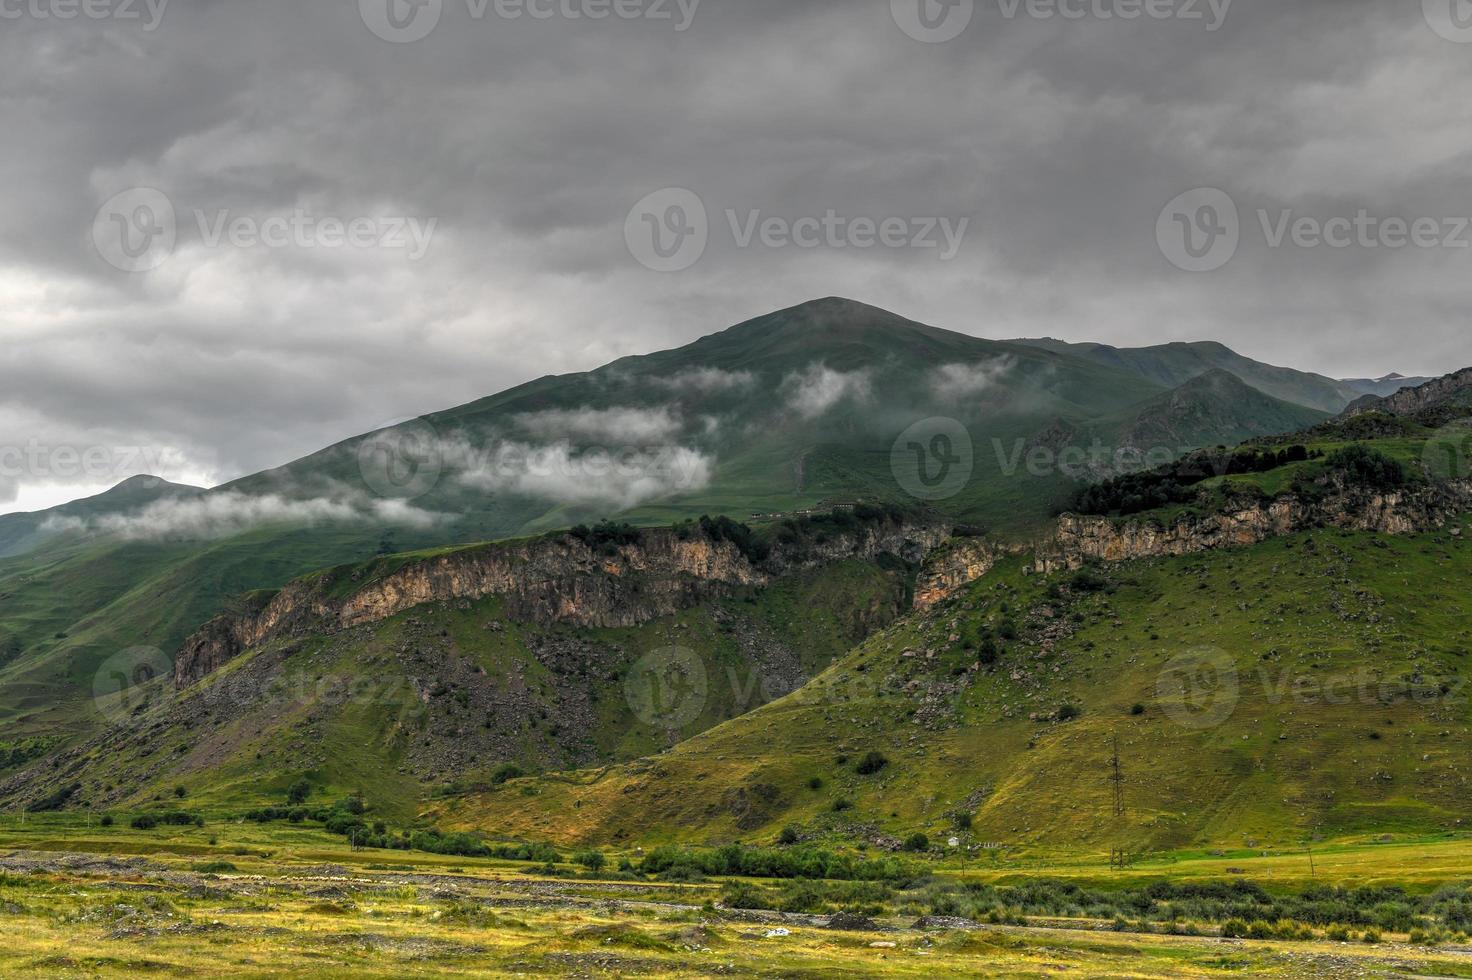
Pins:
x,y
1347,653
1215,408
448,695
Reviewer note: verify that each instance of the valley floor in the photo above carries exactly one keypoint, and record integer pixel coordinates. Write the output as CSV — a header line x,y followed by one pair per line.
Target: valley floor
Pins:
x,y
246,900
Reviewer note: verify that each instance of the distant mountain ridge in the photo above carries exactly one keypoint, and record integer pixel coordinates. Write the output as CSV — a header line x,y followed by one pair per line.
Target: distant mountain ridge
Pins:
x,y
1448,396
20,533
1386,386
1172,365
1216,408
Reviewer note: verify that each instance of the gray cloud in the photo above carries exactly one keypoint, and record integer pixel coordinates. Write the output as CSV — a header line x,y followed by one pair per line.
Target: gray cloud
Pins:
x,y
528,141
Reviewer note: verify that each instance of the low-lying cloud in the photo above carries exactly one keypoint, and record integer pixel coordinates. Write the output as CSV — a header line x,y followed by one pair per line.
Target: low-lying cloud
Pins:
x,y
616,426
223,515
707,381
953,381
623,479
819,389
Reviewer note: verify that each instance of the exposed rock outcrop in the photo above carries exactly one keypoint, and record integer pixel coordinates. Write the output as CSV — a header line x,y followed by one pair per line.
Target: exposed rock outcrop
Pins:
x,y
1080,538
951,568
555,579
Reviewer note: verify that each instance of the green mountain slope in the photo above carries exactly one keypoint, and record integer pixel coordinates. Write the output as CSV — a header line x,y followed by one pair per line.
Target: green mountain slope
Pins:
x,y
1215,408
450,694
1171,365
1311,684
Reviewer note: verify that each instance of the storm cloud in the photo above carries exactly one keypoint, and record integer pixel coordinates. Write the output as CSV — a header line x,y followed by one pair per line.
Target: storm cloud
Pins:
x,y
363,225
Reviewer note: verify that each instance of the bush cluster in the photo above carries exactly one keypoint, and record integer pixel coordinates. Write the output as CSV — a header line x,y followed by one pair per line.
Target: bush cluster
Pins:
x,y
738,860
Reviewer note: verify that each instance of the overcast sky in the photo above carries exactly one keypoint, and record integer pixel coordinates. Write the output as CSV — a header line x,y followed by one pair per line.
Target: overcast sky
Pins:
x,y
489,172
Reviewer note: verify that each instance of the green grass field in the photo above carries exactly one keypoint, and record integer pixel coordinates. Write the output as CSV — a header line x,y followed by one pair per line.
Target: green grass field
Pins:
x,y
232,899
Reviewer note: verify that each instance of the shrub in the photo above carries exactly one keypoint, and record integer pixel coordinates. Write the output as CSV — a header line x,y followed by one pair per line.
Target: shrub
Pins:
x,y
593,860
106,820
506,773
871,764
1137,710
815,783
180,792
1234,929
297,792
788,836
963,821
917,842
741,895
1068,712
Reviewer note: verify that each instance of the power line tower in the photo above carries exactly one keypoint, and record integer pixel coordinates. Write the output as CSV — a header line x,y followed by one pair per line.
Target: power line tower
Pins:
x,y
1117,778
1118,856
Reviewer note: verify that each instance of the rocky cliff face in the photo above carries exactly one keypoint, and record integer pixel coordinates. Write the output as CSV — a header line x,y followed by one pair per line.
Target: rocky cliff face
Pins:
x,y
544,581
1080,539
950,569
